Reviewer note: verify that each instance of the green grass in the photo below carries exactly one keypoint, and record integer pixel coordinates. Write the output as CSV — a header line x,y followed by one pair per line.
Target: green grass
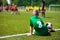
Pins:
x,y
13,24
16,24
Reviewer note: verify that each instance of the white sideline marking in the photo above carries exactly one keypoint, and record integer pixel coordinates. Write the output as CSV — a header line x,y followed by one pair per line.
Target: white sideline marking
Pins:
x,y
19,34
57,29
14,35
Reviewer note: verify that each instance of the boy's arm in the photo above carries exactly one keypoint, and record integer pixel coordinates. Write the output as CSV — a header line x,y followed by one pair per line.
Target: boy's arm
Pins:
x,y
31,27
31,30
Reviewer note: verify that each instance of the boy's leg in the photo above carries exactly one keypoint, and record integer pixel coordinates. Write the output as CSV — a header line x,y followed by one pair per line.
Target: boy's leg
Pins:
x,y
17,12
43,14
12,12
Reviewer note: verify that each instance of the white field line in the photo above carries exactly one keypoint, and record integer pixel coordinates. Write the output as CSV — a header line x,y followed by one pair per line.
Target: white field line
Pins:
x,y
57,29
13,35
19,34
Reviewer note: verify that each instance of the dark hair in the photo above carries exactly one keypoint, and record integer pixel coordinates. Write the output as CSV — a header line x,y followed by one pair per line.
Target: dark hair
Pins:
x,y
36,12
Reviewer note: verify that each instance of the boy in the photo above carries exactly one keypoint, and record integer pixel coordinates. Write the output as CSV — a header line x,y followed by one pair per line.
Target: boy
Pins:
x,y
38,25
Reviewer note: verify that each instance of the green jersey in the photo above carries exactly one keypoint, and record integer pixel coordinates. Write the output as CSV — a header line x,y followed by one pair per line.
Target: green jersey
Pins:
x,y
37,23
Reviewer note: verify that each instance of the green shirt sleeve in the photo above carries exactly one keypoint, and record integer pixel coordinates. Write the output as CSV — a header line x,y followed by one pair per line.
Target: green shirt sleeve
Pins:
x,y
31,24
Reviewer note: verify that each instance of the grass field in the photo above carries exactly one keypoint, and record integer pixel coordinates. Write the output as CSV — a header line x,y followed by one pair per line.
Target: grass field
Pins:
x,y
17,24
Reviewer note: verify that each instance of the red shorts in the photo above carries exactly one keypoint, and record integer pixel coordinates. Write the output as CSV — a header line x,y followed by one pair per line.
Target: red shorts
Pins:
x,y
14,9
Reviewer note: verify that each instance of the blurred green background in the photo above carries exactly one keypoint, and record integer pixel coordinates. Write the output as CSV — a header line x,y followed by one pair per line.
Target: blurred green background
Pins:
x,y
30,2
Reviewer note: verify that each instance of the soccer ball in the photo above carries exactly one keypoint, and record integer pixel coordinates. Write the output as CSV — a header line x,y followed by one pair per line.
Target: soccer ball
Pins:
x,y
49,25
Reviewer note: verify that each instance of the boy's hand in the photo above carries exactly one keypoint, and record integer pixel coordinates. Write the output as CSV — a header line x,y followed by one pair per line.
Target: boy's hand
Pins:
x,y
29,34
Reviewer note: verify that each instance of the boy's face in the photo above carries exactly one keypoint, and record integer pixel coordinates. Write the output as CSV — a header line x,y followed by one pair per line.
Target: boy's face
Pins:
x,y
12,4
33,12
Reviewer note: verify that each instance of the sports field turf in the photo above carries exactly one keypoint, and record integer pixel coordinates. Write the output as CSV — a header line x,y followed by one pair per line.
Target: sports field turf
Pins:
x,y
17,24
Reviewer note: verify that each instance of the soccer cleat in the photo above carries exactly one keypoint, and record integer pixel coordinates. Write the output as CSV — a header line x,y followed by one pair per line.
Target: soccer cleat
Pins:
x,y
52,30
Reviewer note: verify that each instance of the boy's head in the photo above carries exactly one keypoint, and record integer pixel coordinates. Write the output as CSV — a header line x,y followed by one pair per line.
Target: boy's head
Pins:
x,y
13,4
36,12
